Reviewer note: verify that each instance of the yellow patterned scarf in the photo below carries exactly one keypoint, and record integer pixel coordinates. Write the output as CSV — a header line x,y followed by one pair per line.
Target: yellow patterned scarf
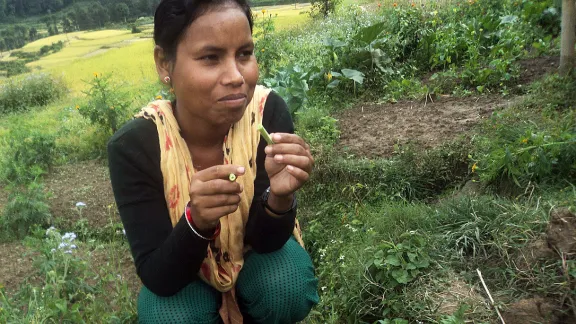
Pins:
x,y
225,256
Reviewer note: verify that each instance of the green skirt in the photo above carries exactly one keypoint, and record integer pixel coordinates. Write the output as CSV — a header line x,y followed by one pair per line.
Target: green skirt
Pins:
x,y
277,287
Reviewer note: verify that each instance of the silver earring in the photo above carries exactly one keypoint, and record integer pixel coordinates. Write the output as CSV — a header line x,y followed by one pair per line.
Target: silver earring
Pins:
x,y
166,79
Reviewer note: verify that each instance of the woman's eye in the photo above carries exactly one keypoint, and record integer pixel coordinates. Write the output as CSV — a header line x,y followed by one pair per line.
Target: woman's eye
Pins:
x,y
211,57
247,53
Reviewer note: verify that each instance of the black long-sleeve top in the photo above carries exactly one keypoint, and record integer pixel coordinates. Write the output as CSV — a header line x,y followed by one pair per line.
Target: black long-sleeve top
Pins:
x,y
168,258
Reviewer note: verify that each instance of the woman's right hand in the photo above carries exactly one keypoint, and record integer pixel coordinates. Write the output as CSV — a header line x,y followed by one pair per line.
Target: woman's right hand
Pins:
x,y
213,195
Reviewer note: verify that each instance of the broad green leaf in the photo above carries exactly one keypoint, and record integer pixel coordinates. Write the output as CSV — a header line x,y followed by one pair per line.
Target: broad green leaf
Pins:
x,y
368,34
392,259
353,75
508,19
333,84
400,275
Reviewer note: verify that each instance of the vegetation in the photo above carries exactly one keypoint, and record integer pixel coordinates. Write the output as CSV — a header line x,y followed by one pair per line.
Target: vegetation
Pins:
x,y
394,239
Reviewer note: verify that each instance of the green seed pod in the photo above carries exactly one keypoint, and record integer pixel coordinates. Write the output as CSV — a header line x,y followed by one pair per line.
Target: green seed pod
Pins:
x,y
265,134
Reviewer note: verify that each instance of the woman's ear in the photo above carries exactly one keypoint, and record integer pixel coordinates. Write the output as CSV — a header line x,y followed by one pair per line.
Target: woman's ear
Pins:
x,y
163,64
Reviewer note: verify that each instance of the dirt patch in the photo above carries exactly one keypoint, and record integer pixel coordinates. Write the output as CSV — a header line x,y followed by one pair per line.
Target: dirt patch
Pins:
x,y
561,232
533,252
86,182
457,293
372,130
534,68
533,310
16,264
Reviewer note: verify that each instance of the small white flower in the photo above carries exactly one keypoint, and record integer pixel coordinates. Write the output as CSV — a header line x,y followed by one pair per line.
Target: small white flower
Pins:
x,y
53,250
69,237
50,230
68,251
323,288
341,258
62,245
72,246
124,232
80,204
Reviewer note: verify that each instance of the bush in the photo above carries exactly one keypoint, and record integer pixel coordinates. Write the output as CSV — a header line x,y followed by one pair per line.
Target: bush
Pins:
x,y
136,29
538,147
26,207
28,154
13,68
106,108
33,91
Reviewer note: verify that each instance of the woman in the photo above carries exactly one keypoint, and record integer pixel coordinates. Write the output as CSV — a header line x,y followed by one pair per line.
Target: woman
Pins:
x,y
209,249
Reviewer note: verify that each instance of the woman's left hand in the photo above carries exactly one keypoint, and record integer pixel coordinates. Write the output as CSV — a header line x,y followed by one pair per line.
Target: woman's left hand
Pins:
x,y
288,163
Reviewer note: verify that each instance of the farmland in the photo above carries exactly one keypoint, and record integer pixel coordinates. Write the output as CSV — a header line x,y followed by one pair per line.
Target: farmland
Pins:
x,y
444,141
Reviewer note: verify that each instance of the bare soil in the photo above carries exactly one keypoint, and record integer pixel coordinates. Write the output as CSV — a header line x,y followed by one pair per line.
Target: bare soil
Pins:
x,y
16,264
372,129
86,182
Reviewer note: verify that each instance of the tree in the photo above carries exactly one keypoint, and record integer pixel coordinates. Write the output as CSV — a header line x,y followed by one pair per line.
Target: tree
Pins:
x,y
2,9
67,23
568,37
324,7
33,34
121,11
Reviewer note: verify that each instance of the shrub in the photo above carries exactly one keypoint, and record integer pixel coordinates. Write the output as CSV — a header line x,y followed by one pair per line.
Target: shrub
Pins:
x,y
136,29
32,91
27,206
267,45
28,154
13,68
107,107
538,147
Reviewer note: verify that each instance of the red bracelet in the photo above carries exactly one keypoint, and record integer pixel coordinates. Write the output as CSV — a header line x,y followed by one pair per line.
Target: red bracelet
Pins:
x,y
190,221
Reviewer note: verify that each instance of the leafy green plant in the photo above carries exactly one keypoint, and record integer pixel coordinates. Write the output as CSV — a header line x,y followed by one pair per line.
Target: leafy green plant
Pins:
x,y
34,90
399,263
345,77
27,206
457,317
291,83
267,45
107,107
28,154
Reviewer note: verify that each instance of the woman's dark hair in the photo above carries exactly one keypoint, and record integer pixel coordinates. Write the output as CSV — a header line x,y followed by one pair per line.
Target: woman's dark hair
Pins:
x,y
173,17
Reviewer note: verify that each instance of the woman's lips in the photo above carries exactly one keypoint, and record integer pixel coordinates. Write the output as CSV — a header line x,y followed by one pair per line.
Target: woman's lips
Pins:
x,y
233,100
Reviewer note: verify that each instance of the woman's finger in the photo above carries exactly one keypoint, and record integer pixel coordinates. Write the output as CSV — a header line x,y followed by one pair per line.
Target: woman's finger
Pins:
x,y
214,187
298,173
286,148
214,214
287,138
216,200
219,172
301,162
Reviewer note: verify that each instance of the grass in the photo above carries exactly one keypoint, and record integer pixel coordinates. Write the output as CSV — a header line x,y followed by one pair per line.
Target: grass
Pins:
x,y
81,48
285,16
133,64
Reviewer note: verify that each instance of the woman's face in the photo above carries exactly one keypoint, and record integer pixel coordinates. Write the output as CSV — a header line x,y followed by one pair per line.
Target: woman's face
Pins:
x,y
215,71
